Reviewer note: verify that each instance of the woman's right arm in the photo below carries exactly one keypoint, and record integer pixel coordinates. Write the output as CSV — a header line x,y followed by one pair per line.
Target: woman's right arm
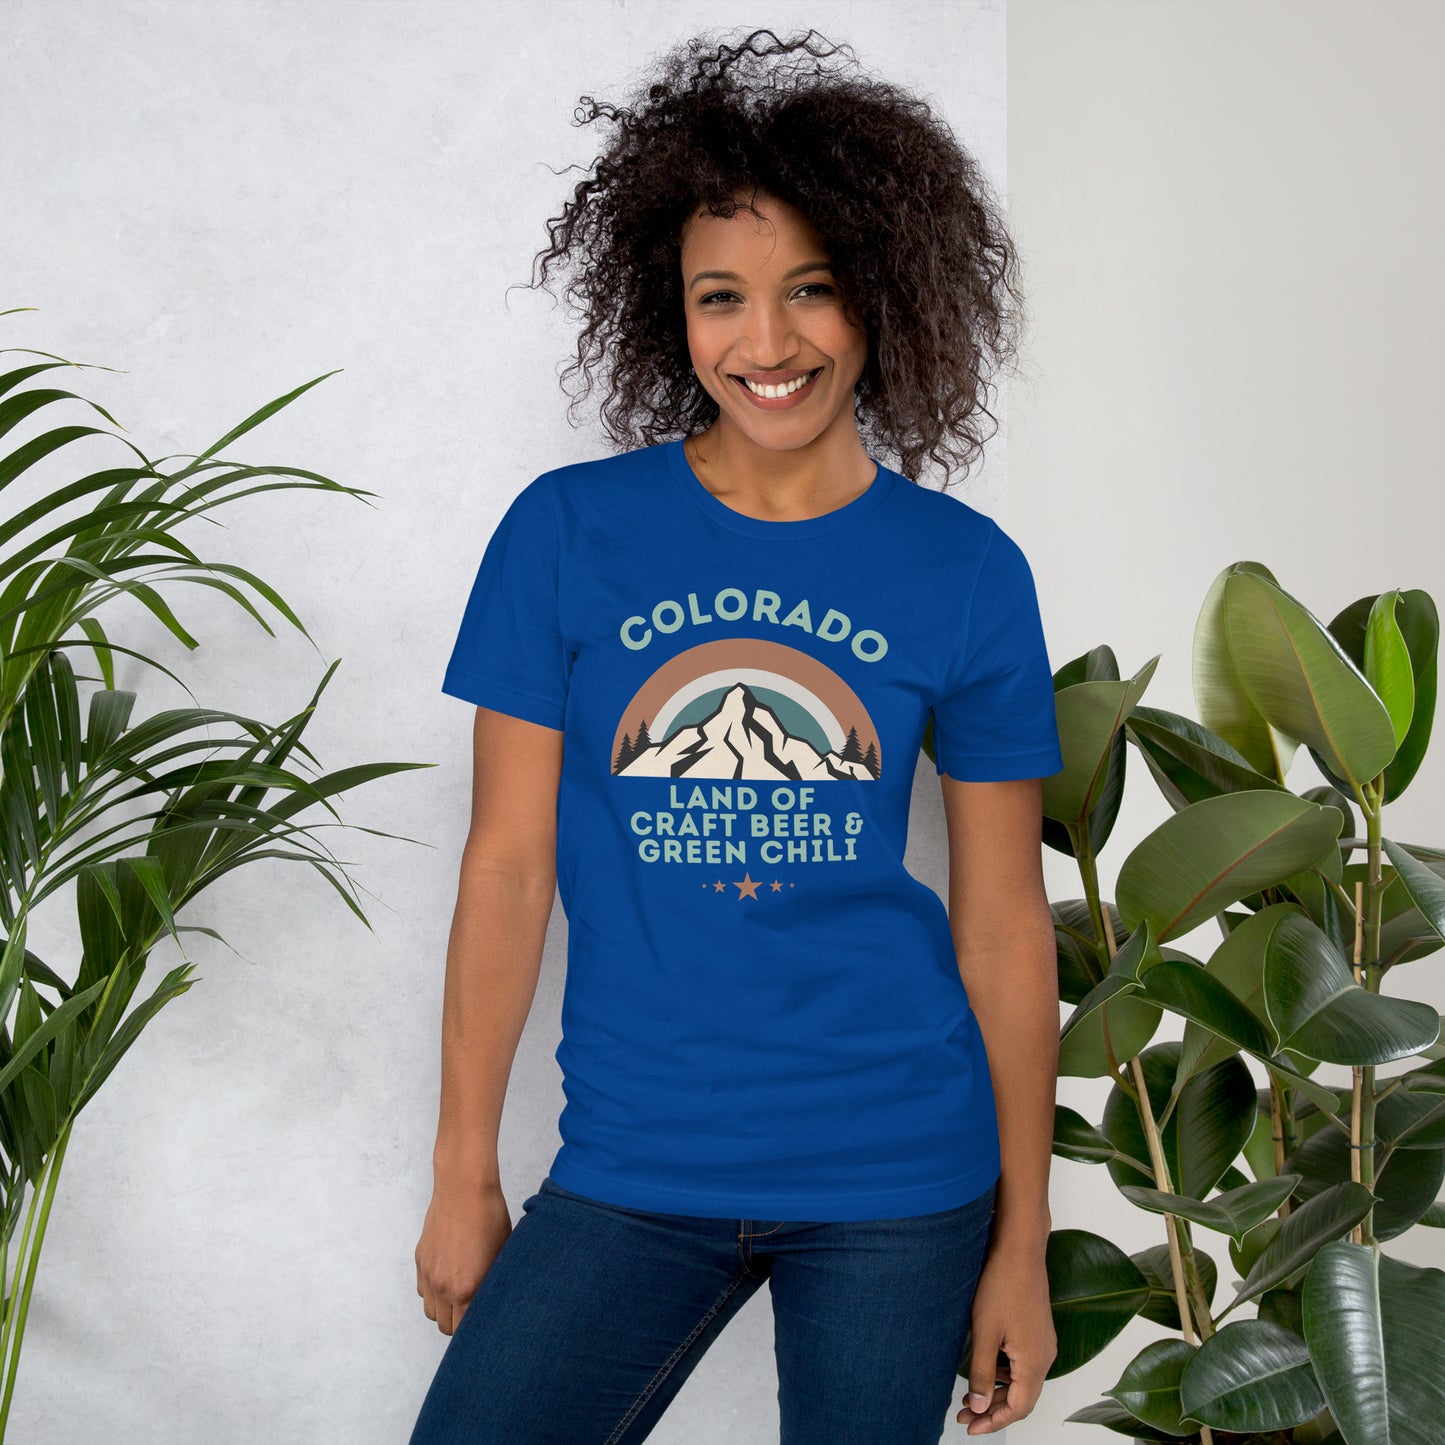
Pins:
x,y
506,886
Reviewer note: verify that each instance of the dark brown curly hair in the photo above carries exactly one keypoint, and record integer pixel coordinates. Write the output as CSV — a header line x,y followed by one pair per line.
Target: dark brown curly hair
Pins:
x,y
916,239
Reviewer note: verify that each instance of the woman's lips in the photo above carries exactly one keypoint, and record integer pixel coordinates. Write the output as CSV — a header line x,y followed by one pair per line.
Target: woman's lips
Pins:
x,y
780,403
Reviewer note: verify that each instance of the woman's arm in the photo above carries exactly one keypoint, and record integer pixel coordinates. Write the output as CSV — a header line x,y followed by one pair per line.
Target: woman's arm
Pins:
x,y
1003,935
507,882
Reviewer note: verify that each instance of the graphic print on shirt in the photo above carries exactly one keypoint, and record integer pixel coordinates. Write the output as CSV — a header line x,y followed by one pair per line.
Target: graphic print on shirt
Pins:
x,y
737,709
746,708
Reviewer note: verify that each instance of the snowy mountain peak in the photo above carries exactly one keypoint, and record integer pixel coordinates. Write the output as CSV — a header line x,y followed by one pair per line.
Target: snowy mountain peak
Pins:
x,y
741,738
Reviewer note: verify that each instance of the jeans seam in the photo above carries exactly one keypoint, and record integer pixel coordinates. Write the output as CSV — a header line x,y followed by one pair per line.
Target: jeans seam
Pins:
x,y
764,1233
670,1363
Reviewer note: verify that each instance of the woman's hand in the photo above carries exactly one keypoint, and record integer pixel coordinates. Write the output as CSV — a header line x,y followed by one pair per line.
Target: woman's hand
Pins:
x,y
465,1229
1011,1320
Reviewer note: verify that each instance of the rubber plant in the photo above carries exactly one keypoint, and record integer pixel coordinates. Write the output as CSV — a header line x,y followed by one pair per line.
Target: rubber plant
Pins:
x,y
1231,1129
140,814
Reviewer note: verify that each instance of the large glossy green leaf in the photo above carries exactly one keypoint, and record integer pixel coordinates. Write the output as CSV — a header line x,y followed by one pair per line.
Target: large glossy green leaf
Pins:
x,y
1244,1253
1089,715
1302,681
1083,958
1250,1375
1235,1212
1149,1386
1095,1289
1412,1312
1405,932
1066,836
1107,1021
1407,1181
1113,1416
1281,1307
1122,1026
1154,1264
1192,992
1198,862
1317,1009
1224,705
1299,1236
1424,886
1188,762
1204,1131
1077,1139
1419,623
1387,663
1238,964
1340,1306
1411,1119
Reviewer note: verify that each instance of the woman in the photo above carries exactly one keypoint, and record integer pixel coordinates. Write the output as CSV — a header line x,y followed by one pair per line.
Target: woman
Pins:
x,y
783,1059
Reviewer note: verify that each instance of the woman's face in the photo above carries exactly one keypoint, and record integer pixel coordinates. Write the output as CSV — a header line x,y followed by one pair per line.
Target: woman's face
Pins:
x,y
762,306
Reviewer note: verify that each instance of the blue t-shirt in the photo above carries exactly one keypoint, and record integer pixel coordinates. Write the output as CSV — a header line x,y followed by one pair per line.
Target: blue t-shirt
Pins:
x,y
763,1015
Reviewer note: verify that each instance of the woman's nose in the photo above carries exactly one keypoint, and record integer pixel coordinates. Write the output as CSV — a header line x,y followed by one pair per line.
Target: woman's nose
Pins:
x,y
771,337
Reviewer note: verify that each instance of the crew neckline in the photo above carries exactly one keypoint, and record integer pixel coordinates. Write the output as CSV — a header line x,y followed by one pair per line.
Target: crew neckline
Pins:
x,y
866,500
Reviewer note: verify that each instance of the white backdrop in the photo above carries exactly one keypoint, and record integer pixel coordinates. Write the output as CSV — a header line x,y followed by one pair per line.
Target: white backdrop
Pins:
x,y
1227,215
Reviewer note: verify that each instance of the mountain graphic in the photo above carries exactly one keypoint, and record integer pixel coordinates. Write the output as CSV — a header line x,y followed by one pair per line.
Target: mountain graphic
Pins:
x,y
740,738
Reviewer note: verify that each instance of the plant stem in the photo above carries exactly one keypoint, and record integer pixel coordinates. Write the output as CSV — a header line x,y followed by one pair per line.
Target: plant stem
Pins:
x,y
28,1260
1180,1244
1368,972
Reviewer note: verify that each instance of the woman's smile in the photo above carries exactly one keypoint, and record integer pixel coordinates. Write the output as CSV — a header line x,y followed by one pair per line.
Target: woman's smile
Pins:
x,y
777,391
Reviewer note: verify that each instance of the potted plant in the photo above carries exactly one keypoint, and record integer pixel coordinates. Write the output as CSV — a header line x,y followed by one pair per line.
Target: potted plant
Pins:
x,y
215,790
1229,1129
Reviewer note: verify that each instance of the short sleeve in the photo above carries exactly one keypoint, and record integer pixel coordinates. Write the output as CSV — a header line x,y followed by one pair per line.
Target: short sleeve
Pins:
x,y
509,653
997,720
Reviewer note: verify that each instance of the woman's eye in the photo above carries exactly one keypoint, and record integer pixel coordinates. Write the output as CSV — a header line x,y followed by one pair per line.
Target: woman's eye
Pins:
x,y
717,296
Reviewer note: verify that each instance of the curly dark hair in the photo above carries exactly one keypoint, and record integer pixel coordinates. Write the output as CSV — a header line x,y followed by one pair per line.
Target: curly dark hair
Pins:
x,y
914,234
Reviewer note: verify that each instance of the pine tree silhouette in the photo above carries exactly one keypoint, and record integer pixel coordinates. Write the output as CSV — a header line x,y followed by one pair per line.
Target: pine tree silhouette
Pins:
x,y
644,739
625,754
852,752
870,760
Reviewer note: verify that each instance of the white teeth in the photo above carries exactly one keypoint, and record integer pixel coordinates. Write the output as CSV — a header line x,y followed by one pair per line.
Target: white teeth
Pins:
x,y
786,389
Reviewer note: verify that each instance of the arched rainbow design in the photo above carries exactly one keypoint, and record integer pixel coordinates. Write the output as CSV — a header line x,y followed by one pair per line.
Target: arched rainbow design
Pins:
x,y
807,698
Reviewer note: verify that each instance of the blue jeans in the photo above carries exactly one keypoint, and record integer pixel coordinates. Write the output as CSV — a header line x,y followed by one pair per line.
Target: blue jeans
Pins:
x,y
593,1315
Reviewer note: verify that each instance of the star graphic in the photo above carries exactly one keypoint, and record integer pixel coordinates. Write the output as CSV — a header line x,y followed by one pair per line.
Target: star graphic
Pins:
x,y
719,886
747,888
777,887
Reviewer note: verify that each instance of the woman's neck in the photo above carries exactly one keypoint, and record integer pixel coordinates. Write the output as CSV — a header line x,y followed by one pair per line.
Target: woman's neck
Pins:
x,y
781,486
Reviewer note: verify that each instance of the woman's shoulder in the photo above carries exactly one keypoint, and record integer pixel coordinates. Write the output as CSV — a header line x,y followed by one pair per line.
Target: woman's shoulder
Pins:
x,y
591,475
945,513
605,464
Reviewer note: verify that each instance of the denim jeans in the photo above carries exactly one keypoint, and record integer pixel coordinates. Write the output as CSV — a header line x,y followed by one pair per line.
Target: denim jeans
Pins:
x,y
593,1315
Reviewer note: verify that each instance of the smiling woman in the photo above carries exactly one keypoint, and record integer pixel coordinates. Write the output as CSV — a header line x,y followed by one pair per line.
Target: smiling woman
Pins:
x,y
785,271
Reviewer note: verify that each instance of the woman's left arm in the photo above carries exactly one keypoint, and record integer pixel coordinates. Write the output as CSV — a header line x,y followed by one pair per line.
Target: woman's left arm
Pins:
x,y
1003,935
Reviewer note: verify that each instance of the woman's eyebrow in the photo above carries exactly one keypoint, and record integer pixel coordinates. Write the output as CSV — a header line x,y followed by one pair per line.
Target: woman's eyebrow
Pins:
x,y
733,276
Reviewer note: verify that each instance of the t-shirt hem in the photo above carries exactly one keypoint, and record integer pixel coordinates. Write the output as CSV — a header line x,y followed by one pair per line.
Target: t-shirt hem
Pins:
x,y
891,1203
1038,764
484,692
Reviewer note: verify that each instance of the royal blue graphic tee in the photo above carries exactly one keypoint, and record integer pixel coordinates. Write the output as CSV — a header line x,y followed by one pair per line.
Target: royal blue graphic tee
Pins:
x,y
763,1015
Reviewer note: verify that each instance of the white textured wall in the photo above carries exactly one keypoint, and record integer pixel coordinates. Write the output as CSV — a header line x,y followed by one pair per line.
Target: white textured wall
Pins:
x,y
227,200
1231,218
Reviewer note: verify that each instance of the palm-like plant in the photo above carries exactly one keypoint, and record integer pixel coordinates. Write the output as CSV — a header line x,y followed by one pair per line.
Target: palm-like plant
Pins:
x,y
1343,1348
141,816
